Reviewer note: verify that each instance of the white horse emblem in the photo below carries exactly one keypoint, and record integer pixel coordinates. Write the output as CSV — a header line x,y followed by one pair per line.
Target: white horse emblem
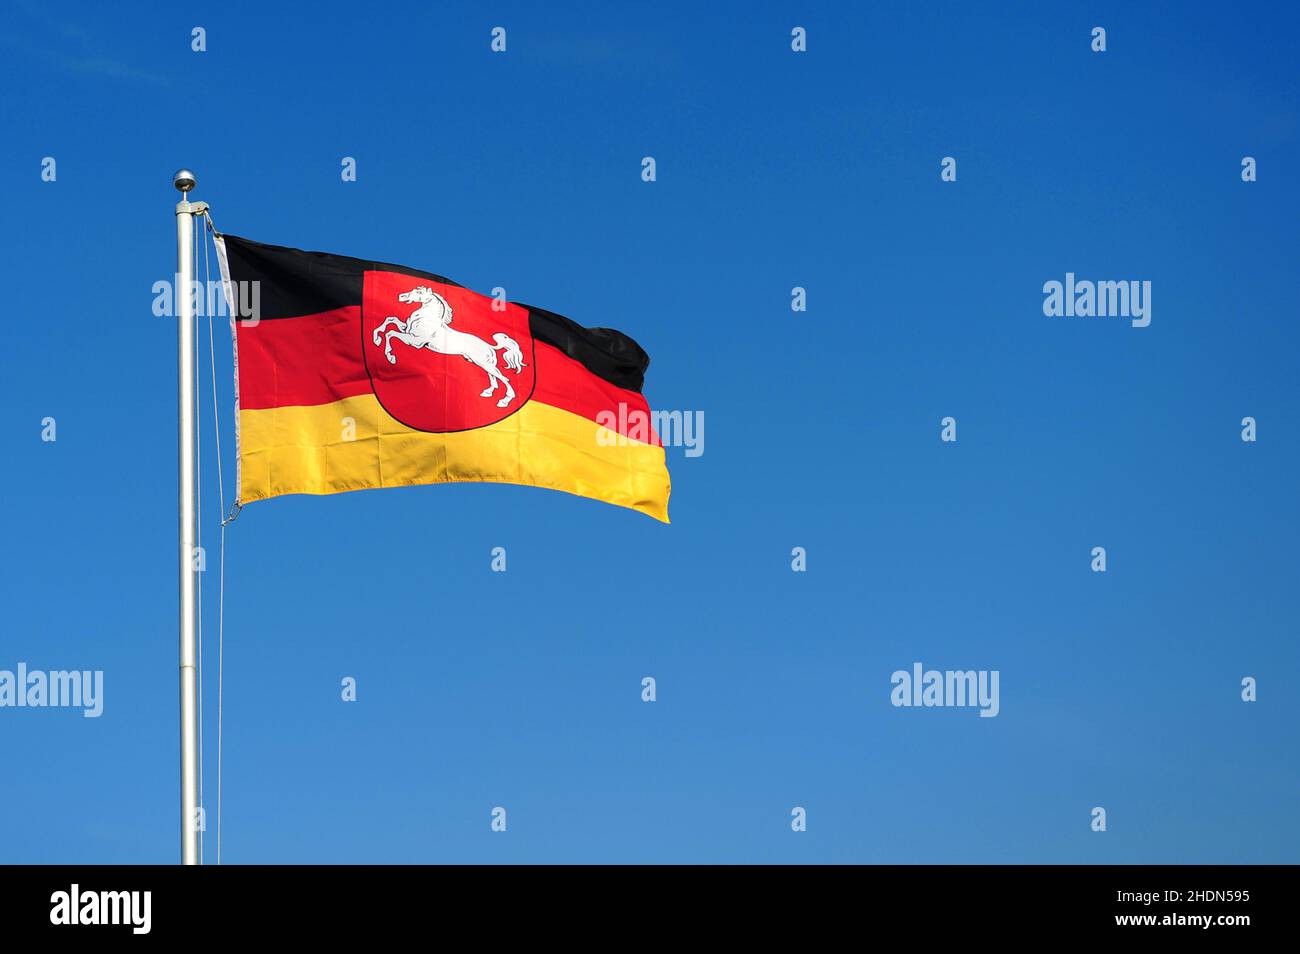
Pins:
x,y
430,327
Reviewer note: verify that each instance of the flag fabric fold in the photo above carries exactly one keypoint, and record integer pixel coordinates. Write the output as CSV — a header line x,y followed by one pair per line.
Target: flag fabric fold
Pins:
x,y
353,374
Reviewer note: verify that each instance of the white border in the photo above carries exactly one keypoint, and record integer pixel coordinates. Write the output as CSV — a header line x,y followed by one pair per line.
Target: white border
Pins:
x,y
219,241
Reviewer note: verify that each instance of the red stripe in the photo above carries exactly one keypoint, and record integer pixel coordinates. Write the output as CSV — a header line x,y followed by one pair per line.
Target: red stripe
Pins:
x,y
306,361
565,383
316,359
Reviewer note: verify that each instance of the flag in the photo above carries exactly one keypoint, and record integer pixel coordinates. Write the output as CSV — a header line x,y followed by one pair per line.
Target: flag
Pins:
x,y
353,374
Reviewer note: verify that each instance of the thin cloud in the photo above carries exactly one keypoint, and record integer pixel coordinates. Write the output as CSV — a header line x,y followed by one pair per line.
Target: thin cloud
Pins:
x,y
87,60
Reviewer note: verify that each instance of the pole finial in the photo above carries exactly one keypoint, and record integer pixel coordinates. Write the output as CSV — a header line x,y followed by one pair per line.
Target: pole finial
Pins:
x,y
184,180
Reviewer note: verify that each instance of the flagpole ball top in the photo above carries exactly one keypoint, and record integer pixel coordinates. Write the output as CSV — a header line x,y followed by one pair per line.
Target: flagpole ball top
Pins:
x,y
183,180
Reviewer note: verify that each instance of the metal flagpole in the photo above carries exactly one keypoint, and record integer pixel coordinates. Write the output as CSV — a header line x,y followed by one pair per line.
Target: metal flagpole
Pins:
x,y
191,822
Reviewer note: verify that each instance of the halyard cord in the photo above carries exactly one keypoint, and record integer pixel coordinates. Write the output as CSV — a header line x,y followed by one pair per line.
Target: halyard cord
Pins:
x,y
225,519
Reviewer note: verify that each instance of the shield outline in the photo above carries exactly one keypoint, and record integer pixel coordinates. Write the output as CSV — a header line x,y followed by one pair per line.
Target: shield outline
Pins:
x,y
428,278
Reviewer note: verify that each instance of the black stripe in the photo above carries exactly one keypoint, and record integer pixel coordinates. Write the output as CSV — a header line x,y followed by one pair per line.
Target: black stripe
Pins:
x,y
611,354
294,283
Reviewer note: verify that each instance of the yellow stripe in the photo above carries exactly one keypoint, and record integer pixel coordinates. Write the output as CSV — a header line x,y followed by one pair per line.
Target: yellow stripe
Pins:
x,y
308,450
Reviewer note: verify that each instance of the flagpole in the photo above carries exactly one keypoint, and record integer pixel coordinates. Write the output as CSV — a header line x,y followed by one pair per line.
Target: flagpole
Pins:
x,y
184,181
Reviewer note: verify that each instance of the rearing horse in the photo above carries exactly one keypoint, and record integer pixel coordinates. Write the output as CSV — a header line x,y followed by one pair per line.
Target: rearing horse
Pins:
x,y
430,327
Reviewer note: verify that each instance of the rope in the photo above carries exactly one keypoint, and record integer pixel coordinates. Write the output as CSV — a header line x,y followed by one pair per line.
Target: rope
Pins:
x,y
225,519
216,421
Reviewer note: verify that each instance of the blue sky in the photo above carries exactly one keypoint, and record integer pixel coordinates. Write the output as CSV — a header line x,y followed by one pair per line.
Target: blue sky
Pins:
x,y
774,169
